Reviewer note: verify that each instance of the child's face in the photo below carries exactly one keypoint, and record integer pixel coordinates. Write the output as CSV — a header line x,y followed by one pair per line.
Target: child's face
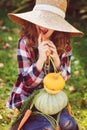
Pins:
x,y
45,31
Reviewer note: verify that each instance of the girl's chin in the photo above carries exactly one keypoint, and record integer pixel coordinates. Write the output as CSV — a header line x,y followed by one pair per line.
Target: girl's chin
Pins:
x,y
44,32
47,35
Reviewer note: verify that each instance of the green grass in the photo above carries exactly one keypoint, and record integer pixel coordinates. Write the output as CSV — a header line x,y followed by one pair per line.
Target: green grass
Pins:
x,y
78,80
76,87
8,66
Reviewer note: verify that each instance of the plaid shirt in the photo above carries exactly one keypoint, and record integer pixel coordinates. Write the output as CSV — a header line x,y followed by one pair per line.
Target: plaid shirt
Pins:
x,y
29,78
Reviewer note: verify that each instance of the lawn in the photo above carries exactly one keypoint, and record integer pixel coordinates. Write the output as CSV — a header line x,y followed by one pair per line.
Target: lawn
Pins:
x,y
76,87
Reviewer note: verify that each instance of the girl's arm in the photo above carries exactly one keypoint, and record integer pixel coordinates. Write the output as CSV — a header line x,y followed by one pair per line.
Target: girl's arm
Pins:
x,y
31,75
65,66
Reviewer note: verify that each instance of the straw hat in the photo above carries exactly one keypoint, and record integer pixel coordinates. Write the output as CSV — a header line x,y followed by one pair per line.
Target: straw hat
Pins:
x,y
49,14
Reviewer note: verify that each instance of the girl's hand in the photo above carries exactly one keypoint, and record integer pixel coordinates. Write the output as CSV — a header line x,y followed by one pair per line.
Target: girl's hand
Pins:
x,y
54,53
42,48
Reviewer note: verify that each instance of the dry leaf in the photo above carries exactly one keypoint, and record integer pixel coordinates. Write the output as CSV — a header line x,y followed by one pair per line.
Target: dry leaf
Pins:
x,y
16,111
15,30
9,116
10,38
78,43
1,65
1,80
1,22
86,65
6,45
72,88
3,28
1,117
76,72
82,71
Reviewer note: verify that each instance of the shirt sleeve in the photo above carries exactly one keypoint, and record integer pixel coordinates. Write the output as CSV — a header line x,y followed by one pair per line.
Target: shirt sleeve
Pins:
x,y
31,76
65,65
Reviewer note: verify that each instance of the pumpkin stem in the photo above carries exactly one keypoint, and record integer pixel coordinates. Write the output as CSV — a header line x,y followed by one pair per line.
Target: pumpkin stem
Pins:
x,y
58,118
55,70
49,59
57,74
49,64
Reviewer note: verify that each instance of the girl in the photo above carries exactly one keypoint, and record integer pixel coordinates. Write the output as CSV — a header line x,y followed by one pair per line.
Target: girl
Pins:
x,y
47,18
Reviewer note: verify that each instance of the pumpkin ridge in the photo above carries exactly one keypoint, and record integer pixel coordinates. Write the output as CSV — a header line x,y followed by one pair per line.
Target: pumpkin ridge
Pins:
x,y
54,81
51,104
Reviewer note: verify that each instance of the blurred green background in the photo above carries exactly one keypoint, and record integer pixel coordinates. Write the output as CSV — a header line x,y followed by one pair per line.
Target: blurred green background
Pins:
x,y
76,87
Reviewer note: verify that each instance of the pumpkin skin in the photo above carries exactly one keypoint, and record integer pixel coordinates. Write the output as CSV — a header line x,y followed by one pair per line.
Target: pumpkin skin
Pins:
x,y
51,104
54,81
51,91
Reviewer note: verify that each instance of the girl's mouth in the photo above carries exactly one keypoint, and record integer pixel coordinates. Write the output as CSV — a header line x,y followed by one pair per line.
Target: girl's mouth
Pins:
x,y
43,30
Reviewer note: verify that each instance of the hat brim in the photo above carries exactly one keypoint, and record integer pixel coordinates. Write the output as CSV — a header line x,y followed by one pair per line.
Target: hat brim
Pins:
x,y
46,19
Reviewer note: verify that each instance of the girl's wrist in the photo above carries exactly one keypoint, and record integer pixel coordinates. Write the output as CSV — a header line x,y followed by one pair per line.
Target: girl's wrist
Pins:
x,y
39,65
57,62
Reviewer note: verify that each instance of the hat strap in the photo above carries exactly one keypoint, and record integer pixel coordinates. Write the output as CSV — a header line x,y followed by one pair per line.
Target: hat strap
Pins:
x,y
50,8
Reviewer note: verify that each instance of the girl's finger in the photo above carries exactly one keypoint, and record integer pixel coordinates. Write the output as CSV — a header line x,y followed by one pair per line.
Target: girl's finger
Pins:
x,y
52,45
44,43
53,49
45,48
39,39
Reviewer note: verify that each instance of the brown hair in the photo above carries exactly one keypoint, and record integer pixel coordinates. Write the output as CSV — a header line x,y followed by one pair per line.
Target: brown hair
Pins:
x,y
30,32
60,39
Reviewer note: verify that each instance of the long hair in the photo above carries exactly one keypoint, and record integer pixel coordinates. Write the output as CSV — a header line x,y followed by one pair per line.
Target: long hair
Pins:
x,y
60,39
30,32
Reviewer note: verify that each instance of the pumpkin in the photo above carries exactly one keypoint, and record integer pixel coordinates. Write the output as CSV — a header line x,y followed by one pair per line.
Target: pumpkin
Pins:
x,y
51,91
53,82
51,104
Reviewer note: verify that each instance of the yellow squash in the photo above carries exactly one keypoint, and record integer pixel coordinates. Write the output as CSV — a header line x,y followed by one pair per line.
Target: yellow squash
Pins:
x,y
53,82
